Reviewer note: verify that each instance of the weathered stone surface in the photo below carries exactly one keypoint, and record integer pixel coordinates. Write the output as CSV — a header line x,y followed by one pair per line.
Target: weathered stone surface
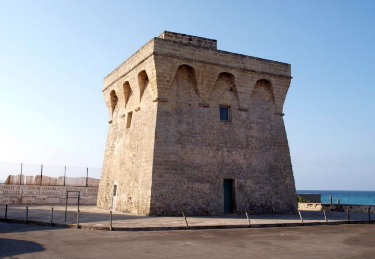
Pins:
x,y
176,152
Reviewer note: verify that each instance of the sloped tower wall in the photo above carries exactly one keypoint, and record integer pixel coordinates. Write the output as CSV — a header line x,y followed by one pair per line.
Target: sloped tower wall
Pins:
x,y
128,93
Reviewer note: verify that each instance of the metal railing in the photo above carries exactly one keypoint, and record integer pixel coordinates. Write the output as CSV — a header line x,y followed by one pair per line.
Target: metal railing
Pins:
x,y
91,218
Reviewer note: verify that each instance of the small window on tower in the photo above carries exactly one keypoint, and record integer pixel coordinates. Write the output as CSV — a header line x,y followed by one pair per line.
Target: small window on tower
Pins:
x,y
224,113
114,190
129,119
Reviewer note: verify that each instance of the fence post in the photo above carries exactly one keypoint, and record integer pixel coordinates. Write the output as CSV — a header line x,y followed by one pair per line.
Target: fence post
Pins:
x,y
183,214
348,214
325,216
78,218
248,218
300,215
21,174
51,216
41,174
369,214
6,212
110,220
79,195
64,174
66,204
27,215
87,176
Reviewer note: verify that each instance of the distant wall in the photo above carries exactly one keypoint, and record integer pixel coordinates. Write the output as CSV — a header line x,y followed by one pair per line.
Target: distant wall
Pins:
x,y
353,208
51,181
311,206
32,194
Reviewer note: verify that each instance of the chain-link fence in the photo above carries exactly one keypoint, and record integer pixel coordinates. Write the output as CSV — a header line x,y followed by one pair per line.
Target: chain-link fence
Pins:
x,y
48,175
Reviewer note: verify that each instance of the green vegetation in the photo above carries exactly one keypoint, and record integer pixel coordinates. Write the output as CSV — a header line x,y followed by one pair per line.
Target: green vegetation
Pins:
x,y
301,199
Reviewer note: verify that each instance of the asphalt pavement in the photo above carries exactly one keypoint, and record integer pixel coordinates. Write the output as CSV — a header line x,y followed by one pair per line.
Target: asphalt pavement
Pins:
x,y
323,241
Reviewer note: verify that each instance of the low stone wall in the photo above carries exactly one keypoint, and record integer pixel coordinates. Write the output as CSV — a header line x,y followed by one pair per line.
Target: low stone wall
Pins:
x,y
33,194
310,206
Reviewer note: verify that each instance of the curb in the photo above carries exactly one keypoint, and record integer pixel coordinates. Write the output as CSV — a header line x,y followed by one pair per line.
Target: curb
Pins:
x,y
207,227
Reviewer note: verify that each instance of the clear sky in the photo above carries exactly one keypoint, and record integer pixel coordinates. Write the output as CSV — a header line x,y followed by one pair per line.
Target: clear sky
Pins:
x,y
54,55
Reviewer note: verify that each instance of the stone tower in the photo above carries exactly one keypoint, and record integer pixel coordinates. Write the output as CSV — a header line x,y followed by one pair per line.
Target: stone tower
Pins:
x,y
196,128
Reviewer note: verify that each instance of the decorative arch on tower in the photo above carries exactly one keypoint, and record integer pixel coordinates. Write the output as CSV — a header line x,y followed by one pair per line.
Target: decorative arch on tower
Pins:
x,y
225,89
114,100
127,92
184,83
143,82
187,73
262,97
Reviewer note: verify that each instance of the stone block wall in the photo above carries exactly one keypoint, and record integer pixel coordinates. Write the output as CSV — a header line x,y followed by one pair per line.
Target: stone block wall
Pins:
x,y
33,194
179,151
129,150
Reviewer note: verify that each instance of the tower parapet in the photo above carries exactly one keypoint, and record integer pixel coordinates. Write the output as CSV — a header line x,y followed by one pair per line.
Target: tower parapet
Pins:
x,y
188,39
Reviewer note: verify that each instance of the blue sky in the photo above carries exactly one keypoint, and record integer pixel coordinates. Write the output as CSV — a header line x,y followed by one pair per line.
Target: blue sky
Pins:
x,y
54,55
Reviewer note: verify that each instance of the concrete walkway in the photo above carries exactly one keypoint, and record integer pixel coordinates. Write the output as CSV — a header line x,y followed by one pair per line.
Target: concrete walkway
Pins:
x,y
91,217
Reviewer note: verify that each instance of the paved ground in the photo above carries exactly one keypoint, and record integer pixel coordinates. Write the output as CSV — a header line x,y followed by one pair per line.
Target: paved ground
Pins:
x,y
91,216
329,241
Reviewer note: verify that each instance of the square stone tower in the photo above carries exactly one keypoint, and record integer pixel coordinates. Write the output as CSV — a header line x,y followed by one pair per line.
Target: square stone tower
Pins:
x,y
196,128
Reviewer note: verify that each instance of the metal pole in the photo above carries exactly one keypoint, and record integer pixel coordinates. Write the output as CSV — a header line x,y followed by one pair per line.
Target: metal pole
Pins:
x,y
110,220
79,195
51,216
41,174
21,175
66,204
6,212
87,176
183,214
27,215
369,214
348,214
248,218
77,218
300,215
325,216
64,174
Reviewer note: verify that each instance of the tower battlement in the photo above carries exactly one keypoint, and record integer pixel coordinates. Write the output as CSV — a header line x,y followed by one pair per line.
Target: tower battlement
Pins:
x,y
189,39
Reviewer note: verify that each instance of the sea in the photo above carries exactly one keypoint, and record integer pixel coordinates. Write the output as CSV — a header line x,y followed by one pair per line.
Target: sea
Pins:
x,y
345,197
